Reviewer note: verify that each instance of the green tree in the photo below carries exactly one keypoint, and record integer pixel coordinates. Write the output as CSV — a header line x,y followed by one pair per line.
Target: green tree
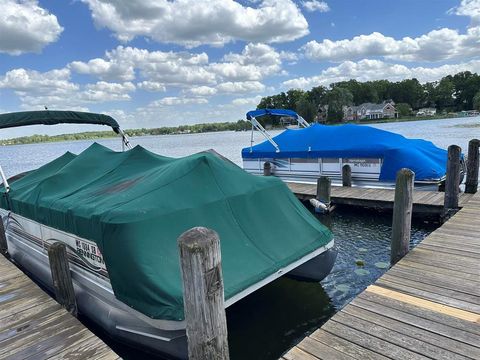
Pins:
x,y
337,99
476,101
306,108
403,109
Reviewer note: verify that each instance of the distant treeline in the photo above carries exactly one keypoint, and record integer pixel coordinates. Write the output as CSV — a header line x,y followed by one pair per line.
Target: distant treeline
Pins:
x,y
240,125
450,94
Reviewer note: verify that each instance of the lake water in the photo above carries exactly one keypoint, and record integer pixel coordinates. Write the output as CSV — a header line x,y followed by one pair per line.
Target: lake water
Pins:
x,y
273,319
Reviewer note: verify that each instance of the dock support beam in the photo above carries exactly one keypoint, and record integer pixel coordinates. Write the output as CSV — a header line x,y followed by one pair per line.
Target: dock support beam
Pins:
x,y
402,215
203,296
3,239
267,168
62,280
471,184
452,183
324,185
347,175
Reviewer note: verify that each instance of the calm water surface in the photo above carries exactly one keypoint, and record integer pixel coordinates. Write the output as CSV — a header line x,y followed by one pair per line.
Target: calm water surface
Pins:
x,y
268,322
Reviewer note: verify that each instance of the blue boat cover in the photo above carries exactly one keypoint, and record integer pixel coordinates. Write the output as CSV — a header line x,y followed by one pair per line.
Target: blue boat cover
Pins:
x,y
357,141
276,112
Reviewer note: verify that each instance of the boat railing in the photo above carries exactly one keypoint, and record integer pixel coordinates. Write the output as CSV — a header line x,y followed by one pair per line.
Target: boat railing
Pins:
x,y
259,127
4,180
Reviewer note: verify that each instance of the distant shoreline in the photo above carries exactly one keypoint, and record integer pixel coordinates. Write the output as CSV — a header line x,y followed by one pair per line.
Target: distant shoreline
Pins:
x,y
240,125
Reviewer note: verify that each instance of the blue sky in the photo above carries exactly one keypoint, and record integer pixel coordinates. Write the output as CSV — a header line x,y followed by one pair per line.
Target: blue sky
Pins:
x,y
152,63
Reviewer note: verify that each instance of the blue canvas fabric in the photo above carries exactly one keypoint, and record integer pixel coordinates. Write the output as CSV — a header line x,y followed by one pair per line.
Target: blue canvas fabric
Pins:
x,y
357,141
275,112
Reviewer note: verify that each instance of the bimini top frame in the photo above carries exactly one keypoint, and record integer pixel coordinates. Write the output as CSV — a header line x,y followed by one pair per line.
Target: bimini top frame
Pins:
x,y
47,117
253,115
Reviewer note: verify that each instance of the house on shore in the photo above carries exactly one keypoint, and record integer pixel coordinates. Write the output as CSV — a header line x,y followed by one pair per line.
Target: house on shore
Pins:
x,y
427,112
370,111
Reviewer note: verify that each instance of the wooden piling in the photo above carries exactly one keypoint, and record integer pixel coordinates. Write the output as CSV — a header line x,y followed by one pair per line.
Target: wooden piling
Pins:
x,y
471,184
347,175
203,295
62,280
402,215
452,182
324,189
3,239
267,168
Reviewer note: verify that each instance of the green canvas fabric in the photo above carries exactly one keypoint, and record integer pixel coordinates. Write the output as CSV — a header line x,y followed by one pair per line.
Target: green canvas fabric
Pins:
x,y
135,204
48,117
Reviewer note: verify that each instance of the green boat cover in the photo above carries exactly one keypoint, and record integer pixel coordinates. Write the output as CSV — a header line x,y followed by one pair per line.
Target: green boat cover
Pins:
x,y
48,117
135,204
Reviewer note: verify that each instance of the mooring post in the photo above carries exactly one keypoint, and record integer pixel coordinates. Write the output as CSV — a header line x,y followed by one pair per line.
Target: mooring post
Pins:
x,y
3,239
346,175
471,184
267,168
402,215
62,280
452,182
203,296
324,189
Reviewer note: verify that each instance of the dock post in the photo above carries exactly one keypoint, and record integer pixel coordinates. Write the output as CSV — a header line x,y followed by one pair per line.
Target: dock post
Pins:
x,y
324,189
3,239
203,296
402,215
471,184
62,280
452,182
267,168
347,175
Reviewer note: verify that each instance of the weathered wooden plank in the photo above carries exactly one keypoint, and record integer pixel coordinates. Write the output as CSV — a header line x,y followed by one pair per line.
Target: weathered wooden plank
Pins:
x,y
435,279
321,350
425,318
451,348
367,340
448,297
34,326
397,336
345,346
298,354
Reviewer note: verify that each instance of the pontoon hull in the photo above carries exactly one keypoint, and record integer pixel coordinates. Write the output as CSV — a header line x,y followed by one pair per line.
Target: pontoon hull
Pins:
x,y
365,171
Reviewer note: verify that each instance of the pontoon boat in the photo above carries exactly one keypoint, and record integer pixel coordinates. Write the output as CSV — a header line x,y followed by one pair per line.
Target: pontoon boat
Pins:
x,y
120,214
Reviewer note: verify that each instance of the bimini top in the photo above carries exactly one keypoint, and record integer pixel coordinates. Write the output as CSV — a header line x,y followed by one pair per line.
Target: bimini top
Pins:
x,y
48,117
135,205
275,112
357,141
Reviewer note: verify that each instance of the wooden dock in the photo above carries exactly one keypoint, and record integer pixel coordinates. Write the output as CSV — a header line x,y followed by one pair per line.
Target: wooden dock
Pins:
x,y
424,202
34,326
427,306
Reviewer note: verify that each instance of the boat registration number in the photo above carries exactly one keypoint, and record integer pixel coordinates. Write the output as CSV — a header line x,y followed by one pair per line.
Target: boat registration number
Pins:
x,y
90,252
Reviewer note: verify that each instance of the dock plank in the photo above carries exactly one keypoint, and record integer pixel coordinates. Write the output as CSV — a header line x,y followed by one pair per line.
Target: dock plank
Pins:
x,y
427,305
424,202
34,326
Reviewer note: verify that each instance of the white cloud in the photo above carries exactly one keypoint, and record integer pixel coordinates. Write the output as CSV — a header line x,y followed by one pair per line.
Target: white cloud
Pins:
x,y
367,70
315,5
108,70
192,23
251,101
184,69
241,87
55,89
26,27
470,8
174,100
151,86
201,91
437,45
